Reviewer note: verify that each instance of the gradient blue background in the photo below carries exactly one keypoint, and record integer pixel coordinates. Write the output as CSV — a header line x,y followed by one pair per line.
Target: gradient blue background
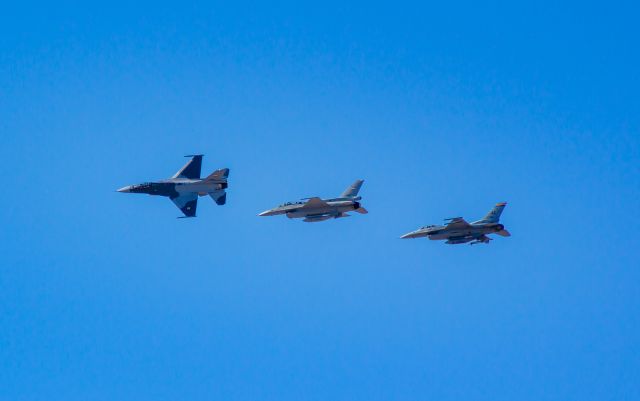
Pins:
x,y
443,110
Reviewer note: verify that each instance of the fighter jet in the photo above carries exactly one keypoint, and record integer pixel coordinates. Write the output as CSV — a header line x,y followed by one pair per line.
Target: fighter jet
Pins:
x,y
316,209
185,186
458,231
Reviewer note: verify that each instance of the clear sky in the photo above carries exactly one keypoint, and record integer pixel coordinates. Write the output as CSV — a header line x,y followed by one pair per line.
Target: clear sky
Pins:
x,y
444,110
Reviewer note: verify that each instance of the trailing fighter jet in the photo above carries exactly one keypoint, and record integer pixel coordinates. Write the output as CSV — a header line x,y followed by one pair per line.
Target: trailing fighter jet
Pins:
x,y
316,209
185,186
458,231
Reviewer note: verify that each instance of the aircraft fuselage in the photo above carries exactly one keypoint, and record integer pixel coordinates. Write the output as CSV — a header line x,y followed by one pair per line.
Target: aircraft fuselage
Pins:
x,y
174,187
456,235
334,208
475,230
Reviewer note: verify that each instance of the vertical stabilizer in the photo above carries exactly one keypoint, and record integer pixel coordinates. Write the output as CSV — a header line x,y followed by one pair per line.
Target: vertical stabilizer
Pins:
x,y
494,215
353,189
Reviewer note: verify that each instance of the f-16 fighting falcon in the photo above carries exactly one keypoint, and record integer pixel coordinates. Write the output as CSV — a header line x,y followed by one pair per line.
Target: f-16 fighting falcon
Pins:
x,y
458,231
316,209
185,186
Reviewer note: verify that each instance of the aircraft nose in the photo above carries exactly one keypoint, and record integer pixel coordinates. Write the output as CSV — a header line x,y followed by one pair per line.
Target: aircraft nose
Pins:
x,y
409,235
266,213
125,189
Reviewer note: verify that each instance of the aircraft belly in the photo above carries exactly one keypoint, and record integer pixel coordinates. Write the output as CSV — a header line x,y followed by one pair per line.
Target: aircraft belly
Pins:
x,y
197,187
308,212
457,233
160,189
295,214
318,211
479,232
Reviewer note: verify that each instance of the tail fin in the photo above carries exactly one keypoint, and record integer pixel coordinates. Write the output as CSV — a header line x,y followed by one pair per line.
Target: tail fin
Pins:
x,y
191,169
220,197
494,215
218,175
353,189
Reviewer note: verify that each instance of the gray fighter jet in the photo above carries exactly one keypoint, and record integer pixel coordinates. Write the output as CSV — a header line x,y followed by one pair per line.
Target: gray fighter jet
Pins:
x,y
185,186
316,209
458,231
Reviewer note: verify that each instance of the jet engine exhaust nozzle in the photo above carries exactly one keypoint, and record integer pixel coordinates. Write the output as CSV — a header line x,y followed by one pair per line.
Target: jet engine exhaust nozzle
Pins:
x,y
357,207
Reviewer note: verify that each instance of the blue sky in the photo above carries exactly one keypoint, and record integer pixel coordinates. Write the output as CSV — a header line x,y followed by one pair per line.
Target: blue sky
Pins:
x,y
443,109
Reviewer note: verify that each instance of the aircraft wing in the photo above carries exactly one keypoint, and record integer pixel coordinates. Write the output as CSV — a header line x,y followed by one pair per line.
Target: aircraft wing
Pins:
x,y
457,223
191,169
314,203
187,203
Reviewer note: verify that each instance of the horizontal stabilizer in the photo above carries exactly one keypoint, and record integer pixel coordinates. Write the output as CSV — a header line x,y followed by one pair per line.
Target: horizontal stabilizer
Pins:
x,y
504,233
220,197
361,210
218,175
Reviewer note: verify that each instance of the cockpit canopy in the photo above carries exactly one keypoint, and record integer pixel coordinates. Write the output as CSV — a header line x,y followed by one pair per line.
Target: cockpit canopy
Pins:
x,y
291,203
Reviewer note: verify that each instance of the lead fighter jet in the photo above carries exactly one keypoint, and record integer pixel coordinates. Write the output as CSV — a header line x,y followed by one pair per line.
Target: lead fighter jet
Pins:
x,y
458,231
185,186
316,209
